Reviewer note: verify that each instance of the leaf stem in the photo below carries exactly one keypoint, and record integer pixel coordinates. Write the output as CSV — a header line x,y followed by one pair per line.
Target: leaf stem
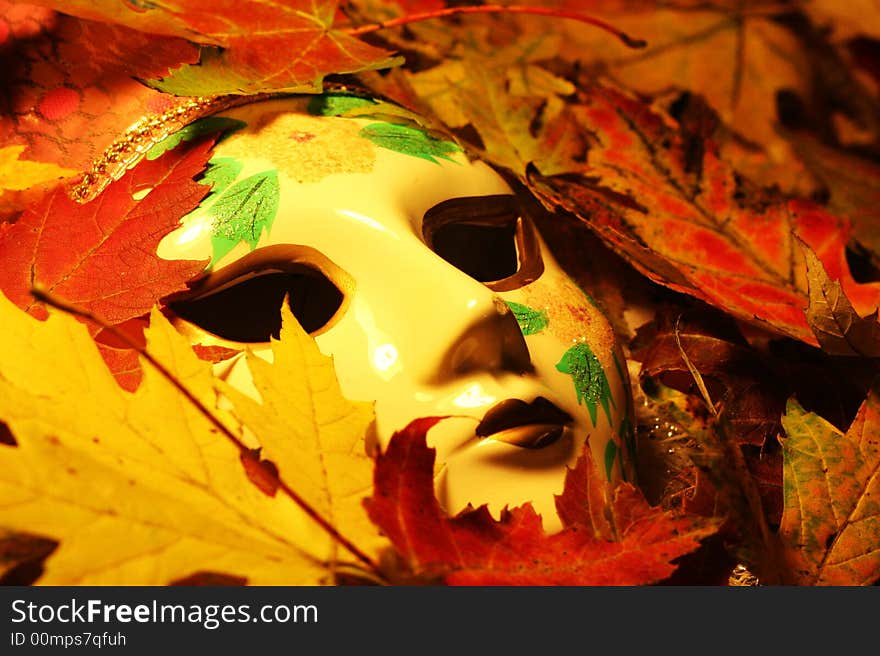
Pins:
x,y
49,299
629,41
697,376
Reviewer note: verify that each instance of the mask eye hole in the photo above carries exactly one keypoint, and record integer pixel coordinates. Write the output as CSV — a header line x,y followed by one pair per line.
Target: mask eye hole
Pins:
x,y
484,252
242,303
487,238
250,310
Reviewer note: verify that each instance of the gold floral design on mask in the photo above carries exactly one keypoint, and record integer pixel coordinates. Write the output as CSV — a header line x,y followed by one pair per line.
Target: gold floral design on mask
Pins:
x,y
305,148
569,318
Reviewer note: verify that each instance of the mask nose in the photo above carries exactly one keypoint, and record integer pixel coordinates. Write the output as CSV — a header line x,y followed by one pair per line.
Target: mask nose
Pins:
x,y
492,343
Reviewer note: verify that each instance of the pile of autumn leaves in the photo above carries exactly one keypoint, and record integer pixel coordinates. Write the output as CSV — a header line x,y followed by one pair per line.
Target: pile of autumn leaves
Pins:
x,y
654,150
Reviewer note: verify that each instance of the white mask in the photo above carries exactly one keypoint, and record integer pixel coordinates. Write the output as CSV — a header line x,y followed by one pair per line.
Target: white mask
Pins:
x,y
411,266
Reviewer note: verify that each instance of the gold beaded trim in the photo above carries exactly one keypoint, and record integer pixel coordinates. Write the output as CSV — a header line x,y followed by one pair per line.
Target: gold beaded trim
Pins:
x,y
128,150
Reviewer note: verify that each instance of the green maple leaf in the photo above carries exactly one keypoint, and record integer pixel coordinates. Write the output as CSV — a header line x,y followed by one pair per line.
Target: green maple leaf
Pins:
x,y
409,141
243,211
830,529
530,321
590,381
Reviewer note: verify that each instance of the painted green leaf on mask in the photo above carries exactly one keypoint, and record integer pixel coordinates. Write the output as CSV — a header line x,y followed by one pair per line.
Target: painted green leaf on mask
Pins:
x,y
203,126
627,436
409,141
626,432
610,457
530,321
349,106
590,381
336,104
220,173
243,211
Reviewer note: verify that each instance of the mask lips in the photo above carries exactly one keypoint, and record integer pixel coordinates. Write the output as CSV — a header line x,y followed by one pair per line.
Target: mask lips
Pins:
x,y
529,425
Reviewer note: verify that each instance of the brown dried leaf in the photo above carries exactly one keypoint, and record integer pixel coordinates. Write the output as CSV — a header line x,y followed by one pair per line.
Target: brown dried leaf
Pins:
x,y
838,327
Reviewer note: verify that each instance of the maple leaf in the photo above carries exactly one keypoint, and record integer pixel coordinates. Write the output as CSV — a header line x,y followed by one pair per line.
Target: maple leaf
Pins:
x,y
733,54
672,426
101,255
124,365
685,221
519,123
781,168
214,353
137,488
853,185
633,545
248,47
836,324
303,421
831,524
17,174
68,88
470,92
118,346
420,5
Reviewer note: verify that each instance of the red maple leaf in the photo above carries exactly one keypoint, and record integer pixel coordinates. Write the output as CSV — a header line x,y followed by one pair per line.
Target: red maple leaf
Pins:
x,y
119,356
101,255
626,542
67,85
124,364
214,353
251,45
684,218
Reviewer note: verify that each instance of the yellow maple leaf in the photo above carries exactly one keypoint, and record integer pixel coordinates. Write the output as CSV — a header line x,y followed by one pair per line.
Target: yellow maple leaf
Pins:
x,y
138,488
737,60
314,435
503,97
19,174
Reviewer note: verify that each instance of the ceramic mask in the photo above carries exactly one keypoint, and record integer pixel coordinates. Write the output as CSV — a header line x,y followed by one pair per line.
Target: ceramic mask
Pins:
x,y
414,268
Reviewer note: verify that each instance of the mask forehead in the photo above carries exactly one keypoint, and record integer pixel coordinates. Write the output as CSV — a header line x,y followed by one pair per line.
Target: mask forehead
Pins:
x,y
275,174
